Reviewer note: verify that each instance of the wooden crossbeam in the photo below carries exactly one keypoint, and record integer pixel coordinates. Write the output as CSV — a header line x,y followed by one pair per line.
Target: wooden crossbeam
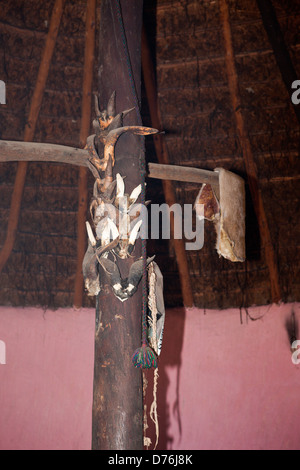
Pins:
x,y
11,151
163,158
183,173
38,152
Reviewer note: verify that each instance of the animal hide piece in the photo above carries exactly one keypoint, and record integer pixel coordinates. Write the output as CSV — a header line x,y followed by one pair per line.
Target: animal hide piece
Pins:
x,y
207,198
227,211
230,226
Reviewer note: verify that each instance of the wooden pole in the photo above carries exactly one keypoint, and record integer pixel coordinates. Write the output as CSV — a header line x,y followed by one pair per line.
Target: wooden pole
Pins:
x,y
117,405
163,158
281,53
84,133
251,169
36,102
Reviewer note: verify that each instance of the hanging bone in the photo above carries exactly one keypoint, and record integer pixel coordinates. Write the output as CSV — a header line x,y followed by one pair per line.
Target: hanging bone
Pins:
x,y
116,231
124,288
91,262
118,218
115,224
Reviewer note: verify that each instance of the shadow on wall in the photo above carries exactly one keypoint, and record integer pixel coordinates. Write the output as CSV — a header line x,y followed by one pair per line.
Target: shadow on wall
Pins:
x,y
169,368
229,380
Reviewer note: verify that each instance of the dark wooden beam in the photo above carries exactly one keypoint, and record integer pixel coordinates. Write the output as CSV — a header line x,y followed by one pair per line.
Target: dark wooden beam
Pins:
x,y
251,169
117,404
279,47
35,106
86,112
163,158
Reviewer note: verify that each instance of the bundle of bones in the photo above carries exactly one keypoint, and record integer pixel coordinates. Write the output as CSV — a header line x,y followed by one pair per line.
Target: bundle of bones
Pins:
x,y
115,215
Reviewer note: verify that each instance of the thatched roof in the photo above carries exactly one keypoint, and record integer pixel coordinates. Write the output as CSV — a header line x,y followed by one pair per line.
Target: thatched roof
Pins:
x,y
188,50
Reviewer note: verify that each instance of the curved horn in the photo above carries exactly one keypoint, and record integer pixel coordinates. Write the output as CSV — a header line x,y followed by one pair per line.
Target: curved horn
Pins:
x,y
124,113
135,275
111,105
97,109
113,136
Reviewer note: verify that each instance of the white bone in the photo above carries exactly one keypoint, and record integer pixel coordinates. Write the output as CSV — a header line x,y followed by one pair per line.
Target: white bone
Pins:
x,y
120,186
100,211
113,229
117,286
90,234
133,235
103,232
135,193
124,226
106,230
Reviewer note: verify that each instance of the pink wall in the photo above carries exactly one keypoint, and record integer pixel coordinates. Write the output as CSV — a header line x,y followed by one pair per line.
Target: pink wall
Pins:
x,y
224,384
46,384
233,386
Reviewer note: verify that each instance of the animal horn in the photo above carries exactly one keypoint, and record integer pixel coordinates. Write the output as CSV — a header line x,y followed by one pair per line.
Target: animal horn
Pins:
x,y
90,267
124,113
111,106
113,136
97,108
135,275
114,278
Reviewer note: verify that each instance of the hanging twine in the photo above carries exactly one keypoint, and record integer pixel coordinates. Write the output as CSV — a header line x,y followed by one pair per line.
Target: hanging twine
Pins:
x,y
144,357
152,307
153,408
